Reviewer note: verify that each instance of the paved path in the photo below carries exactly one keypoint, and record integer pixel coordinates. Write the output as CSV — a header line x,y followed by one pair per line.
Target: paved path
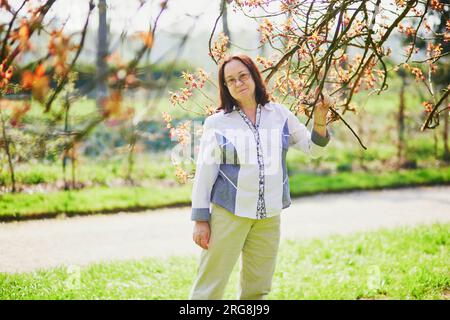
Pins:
x,y
30,245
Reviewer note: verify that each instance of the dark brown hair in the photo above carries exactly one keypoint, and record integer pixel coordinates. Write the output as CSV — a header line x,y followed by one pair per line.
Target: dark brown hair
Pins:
x,y
226,100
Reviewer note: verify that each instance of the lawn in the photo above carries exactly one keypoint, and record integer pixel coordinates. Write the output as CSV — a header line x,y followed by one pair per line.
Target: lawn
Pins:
x,y
104,199
104,185
400,263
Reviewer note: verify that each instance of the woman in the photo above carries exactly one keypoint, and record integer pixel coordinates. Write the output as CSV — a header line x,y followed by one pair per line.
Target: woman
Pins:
x,y
241,183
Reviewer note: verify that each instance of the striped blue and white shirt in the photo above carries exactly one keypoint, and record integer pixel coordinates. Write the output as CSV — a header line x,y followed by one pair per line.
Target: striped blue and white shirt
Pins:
x,y
241,166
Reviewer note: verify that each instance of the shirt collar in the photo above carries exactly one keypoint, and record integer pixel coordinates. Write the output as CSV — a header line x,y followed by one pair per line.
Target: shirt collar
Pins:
x,y
268,107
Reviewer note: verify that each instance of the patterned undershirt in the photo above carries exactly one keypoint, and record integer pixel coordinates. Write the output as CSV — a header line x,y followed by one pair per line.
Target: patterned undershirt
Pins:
x,y
261,205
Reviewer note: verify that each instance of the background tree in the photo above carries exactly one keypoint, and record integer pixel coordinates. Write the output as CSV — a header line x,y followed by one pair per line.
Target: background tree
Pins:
x,y
50,78
437,23
338,46
102,52
224,11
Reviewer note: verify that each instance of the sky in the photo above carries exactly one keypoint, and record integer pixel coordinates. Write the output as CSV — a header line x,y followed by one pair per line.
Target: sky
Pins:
x,y
125,14
176,20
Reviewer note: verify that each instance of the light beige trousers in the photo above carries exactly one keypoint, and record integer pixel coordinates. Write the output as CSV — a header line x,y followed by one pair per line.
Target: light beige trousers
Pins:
x,y
231,235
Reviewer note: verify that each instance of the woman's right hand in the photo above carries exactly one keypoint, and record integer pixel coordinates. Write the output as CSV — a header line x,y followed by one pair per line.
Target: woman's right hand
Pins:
x,y
201,233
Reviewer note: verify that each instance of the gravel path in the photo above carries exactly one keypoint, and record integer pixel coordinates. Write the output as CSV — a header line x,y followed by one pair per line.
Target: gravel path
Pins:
x,y
31,245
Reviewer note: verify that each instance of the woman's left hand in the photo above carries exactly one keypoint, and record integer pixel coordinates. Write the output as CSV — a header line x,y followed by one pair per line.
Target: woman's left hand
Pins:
x,y
323,105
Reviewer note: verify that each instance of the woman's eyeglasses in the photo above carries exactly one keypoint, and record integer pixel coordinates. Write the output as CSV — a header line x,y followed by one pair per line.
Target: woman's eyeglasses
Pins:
x,y
242,78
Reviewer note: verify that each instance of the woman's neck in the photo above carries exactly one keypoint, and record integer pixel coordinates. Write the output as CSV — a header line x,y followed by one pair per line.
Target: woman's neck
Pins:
x,y
248,106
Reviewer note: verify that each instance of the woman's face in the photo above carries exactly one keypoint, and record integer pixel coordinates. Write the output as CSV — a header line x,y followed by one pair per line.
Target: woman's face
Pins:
x,y
239,81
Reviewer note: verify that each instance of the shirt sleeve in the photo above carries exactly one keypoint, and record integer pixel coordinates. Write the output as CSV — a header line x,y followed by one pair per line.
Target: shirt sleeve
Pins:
x,y
300,138
206,172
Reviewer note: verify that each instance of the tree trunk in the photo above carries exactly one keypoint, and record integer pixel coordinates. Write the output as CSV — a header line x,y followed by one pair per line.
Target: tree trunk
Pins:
x,y
65,153
225,28
102,53
73,168
435,139
131,159
8,153
401,126
361,132
445,137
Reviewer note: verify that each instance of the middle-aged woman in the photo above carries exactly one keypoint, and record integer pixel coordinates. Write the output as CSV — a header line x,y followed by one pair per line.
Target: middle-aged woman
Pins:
x,y
241,183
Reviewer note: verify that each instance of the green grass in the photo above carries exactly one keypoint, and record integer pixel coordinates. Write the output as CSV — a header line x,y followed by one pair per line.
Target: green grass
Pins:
x,y
302,184
375,105
102,199
104,172
401,263
343,155
98,172
90,200
86,106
